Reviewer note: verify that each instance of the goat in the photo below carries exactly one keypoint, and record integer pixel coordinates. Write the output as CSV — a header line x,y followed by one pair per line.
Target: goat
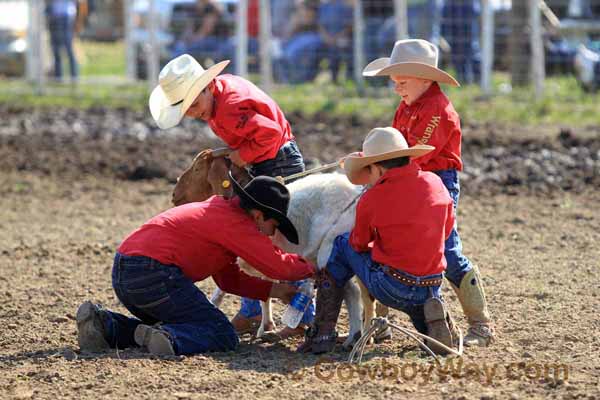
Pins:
x,y
321,207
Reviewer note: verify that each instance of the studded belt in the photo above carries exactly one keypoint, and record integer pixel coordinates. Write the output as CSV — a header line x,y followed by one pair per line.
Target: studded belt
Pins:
x,y
411,281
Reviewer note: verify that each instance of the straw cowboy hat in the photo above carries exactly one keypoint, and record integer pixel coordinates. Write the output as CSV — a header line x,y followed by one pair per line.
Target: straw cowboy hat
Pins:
x,y
179,83
411,57
268,195
380,144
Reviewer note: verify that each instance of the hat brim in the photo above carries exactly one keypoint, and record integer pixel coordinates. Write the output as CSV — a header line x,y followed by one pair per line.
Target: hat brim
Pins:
x,y
382,67
286,227
167,115
355,165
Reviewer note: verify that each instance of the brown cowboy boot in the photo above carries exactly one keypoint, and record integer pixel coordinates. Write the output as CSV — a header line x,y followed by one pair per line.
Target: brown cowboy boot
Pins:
x,y
440,325
322,336
472,298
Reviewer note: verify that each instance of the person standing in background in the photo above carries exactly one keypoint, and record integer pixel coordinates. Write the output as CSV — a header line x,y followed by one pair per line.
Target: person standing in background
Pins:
x,y
64,18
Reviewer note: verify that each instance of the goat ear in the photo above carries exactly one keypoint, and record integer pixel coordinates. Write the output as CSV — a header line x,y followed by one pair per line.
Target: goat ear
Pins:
x,y
205,154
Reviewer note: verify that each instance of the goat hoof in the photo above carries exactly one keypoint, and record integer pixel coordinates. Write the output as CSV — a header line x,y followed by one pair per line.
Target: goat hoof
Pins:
x,y
351,341
383,335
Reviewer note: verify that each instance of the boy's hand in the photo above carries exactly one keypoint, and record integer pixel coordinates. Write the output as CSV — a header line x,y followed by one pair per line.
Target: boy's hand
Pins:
x,y
235,158
283,291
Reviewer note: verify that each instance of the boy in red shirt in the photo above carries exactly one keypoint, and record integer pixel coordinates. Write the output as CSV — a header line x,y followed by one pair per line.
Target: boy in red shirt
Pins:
x,y
426,116
397,245
241,114
156,266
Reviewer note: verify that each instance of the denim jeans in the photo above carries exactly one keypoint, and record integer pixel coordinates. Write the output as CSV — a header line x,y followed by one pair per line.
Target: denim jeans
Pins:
x,y
458,264
344,262
61,36
157,293
288,161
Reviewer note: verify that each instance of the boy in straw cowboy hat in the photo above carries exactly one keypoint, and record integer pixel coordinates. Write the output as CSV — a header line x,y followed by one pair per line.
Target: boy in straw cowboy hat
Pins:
x,y
246,119
397,245
156,266
426,116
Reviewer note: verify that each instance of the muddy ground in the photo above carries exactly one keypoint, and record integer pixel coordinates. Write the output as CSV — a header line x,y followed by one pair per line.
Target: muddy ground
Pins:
x,y
73,184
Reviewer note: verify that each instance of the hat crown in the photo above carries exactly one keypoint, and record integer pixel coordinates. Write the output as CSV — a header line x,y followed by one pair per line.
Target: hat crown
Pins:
x,y
178,76
414,51
383,140
270,192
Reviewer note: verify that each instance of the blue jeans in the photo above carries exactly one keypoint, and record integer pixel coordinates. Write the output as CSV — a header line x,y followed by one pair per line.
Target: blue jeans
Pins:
x,y
157,293
458,264
344,262
288,161
61,36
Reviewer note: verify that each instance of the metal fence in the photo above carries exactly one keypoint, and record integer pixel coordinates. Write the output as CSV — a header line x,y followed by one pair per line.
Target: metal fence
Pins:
x,y
297,41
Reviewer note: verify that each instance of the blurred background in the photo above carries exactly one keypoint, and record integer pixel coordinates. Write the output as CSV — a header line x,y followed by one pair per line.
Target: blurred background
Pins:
x,y
67,49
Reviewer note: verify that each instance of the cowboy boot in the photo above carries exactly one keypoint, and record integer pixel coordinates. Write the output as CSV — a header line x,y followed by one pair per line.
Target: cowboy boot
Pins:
x,y
322,336
472,298
440,325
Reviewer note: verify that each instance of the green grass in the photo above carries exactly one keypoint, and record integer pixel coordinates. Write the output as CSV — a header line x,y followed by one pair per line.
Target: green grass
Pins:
x,y
564,102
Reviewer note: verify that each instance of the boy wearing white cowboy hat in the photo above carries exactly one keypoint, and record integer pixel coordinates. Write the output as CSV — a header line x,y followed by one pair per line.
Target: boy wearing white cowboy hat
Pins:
x,y
241,114
156,266
426,116
396,247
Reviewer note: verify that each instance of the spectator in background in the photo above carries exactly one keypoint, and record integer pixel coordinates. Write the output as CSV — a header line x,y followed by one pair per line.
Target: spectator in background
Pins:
x,y
460,28
229,48
375,13
64,18
335,27
206,33
280,17
299,60
424,22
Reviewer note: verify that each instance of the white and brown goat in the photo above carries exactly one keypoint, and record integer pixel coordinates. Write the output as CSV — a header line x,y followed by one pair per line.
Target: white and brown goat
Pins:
x,y
321,207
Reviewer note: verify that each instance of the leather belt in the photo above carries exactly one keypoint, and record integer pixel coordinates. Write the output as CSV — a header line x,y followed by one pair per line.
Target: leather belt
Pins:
x,y
410,281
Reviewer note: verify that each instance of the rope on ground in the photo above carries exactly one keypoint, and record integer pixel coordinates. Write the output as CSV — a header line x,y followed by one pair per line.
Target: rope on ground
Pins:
x,y
381,323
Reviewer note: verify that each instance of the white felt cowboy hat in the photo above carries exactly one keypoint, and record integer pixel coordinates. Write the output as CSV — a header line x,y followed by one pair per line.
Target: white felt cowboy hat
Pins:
x,y
380,144
179,83
416,58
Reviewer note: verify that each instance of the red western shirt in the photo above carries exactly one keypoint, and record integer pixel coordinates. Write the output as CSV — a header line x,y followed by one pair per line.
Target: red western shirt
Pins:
x,y
247,119
432,120
205,238
405,217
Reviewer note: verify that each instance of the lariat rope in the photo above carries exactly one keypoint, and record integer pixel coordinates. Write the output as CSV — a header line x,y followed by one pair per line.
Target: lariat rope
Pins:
x,y
224,152
381,323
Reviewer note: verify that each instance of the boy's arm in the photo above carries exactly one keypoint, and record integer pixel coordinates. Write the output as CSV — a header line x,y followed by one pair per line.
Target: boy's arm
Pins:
x,y
256,249
362,234
435,128
260,133
233,280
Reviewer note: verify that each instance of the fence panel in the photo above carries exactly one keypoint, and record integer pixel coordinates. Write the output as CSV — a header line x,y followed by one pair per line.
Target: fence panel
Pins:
x,y
289,42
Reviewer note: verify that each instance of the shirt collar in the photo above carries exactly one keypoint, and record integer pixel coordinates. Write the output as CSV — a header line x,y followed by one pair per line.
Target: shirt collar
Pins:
x,y
218,89
433,90
396,173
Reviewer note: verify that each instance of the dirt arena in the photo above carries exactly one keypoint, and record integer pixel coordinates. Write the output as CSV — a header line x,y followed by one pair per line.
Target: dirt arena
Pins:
x,y
74,184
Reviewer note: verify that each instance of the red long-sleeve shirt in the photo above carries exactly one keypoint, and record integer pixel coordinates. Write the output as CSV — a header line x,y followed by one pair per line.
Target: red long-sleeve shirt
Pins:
x,y
247,119
432,120
407,216
204,239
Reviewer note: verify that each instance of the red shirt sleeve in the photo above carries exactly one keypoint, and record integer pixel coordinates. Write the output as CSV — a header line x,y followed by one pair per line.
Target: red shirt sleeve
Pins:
x,y
259,133
233,280
363,233
434,128
247,242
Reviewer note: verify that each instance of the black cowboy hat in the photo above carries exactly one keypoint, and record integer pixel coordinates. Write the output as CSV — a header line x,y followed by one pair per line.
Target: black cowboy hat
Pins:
x,y
270,196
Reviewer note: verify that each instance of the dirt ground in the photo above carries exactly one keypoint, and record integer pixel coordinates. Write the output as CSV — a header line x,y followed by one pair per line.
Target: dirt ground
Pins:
x,y
538,251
